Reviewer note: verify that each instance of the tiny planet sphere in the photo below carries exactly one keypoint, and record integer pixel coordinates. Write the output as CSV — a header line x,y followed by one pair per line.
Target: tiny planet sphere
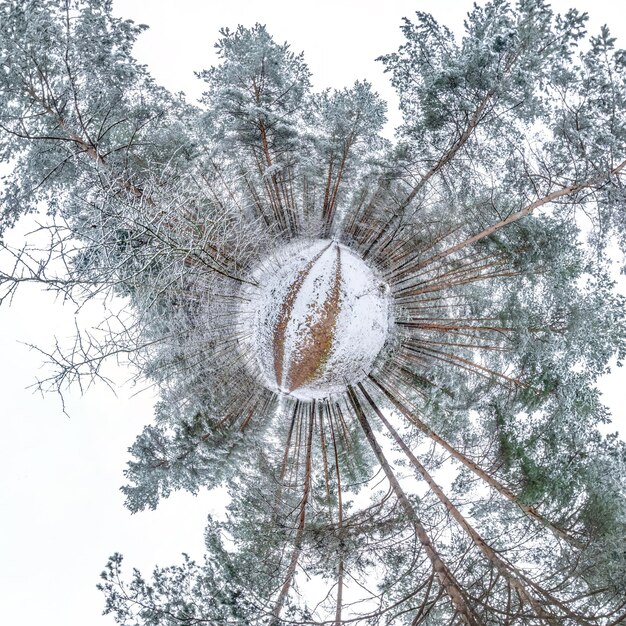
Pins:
x,y
319,319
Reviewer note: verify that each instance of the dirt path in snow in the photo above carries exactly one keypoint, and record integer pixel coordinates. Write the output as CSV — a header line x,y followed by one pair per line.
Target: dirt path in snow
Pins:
x,y
311,356
285,315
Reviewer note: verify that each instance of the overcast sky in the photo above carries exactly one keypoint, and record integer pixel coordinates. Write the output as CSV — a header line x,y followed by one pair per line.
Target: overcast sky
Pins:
x,y
61,514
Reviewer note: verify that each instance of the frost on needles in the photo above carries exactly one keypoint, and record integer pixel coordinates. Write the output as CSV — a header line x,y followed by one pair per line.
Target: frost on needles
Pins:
x,y
387,351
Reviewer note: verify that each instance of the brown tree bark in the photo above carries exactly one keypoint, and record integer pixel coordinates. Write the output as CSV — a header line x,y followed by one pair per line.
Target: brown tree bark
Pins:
x,y
518,215
412,416
515,579
340,566
447,580
297,547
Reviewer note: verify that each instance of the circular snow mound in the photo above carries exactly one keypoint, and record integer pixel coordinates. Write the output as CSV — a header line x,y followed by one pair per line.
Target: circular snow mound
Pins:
x,y
317,320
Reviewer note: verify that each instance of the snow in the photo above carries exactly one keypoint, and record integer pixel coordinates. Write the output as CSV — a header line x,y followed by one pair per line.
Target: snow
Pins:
x,y
317,321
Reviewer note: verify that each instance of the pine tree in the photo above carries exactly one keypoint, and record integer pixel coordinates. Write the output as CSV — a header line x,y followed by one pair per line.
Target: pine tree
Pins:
x,y
455,474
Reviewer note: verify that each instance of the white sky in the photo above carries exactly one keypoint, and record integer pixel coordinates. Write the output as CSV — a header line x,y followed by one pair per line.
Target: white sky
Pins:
x,y
61,513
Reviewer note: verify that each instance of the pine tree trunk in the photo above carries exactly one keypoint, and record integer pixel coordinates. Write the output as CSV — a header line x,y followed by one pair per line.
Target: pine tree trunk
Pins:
x,y
490,480
445,576
518,215
297,549
340,567
514,578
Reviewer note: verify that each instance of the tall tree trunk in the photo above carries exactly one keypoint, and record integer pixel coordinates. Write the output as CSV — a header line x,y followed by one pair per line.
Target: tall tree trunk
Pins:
x,y
339,601
447,580
297,547
467,132
340,566
518,215
515,579
283,465
490,480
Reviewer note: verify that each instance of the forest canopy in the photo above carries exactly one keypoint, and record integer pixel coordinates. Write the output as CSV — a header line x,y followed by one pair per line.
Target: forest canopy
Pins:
x,y
387,351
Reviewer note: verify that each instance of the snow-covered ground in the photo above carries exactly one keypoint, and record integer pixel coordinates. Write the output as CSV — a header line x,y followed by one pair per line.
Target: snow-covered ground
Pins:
x,y
318,319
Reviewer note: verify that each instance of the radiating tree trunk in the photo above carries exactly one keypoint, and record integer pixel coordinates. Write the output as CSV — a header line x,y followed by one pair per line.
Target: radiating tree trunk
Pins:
x,y
514,578
447,580
340,566
297,545
283,465
490,480
518,215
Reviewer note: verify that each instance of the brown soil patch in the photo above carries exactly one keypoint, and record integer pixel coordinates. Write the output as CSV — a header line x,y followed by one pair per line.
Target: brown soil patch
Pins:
x,y
285,316
313,355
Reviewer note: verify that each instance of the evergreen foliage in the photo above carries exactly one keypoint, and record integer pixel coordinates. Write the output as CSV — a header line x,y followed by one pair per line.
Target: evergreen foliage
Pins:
x,y
463,480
